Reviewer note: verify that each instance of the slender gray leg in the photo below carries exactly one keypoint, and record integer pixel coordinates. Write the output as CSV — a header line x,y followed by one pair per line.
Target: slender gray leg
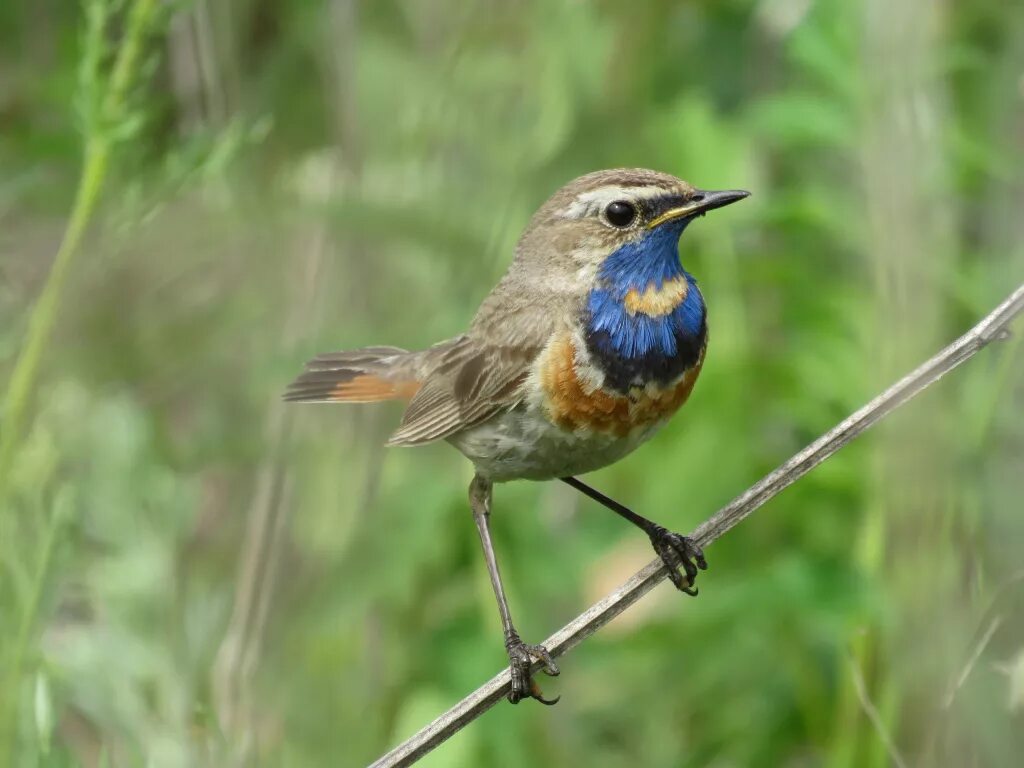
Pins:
x,y
520,655
673,548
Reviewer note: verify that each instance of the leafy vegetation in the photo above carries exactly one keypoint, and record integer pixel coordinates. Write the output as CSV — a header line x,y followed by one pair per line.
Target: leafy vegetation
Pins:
x,y
193,574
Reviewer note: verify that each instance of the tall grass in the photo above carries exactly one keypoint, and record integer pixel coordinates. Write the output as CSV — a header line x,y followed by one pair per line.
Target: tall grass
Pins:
x,y
106,119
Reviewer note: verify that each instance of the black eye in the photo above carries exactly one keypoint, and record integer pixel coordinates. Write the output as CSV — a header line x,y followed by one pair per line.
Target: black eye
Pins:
x,y
620,214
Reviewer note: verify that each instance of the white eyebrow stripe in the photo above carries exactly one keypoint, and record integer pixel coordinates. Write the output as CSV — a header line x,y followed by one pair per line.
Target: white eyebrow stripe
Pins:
x,y
596,199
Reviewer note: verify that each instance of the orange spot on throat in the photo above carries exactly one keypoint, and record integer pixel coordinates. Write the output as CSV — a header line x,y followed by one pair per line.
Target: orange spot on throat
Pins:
x,y
655,301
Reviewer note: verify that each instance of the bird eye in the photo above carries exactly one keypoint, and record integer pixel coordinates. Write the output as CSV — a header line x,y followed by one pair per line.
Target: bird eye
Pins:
x,y
620,214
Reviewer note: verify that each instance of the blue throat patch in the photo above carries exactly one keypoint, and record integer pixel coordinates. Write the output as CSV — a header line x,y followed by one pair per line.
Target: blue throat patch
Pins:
x,y
632,348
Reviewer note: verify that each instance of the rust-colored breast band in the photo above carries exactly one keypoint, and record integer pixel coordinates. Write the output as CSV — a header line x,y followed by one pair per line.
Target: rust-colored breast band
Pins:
x,y
574,405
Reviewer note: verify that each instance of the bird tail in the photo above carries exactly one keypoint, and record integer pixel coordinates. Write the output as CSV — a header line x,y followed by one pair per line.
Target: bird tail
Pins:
x,y
357,376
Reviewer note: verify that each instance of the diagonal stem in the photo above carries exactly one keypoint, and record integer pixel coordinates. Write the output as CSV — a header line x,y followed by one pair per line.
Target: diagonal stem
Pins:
x,y
96,159
992,327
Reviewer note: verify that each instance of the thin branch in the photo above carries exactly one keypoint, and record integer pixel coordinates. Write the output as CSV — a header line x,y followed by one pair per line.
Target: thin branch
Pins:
x,y
992,619
979,648
992,327
861,687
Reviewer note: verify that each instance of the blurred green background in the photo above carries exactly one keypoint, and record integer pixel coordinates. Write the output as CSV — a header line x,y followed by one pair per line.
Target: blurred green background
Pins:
x,y
192,574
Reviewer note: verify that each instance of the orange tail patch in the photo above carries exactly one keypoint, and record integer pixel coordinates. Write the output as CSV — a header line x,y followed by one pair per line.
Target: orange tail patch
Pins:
x,y
325,381
367,388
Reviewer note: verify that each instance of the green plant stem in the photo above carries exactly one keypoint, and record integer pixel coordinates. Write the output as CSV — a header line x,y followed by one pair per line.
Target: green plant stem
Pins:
x,y
100,137
44,314
999,382
98,144
8,724
126,65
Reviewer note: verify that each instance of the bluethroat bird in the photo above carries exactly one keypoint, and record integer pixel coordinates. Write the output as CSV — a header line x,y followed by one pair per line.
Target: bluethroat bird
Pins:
x,y
590,342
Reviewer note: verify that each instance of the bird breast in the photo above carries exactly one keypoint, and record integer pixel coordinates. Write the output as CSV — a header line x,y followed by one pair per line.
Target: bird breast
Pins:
x,y
574,396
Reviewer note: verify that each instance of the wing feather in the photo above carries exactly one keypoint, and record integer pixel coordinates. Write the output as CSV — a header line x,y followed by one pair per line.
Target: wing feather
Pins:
x,y
473,377
469,385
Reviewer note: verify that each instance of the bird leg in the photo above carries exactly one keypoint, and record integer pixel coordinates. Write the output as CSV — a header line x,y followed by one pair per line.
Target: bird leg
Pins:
x,y
520,655
673,548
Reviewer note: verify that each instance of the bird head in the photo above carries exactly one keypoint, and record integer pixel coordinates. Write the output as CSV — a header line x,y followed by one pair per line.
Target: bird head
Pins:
x,y
628,220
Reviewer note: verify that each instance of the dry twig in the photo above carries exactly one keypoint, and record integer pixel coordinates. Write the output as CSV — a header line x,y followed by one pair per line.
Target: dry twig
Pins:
x,y
992,327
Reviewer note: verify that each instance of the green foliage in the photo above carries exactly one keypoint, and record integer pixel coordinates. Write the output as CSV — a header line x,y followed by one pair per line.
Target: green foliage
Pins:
x,y
191,574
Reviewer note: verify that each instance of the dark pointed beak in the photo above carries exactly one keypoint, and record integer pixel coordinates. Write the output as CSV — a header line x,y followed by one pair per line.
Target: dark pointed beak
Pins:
x,y
700,202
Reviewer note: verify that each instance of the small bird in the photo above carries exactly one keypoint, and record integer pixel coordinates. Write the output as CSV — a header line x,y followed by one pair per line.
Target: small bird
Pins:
x,y
590,342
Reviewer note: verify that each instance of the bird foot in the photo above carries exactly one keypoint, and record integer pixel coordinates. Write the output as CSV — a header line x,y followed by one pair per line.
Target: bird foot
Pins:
x,y
521,657
675,551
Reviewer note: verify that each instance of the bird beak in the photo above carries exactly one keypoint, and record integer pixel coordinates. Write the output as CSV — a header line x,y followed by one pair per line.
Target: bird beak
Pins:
x,y
700,202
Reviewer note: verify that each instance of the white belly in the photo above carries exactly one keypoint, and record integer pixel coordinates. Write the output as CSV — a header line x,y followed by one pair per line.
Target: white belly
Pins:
x,y
523,444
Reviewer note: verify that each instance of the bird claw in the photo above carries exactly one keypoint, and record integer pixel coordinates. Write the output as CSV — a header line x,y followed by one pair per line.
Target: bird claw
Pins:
x,y
676,550
521,657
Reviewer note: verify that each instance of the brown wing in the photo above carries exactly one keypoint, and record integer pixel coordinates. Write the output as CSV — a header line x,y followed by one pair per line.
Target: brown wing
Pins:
x,y
469,379
466,383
